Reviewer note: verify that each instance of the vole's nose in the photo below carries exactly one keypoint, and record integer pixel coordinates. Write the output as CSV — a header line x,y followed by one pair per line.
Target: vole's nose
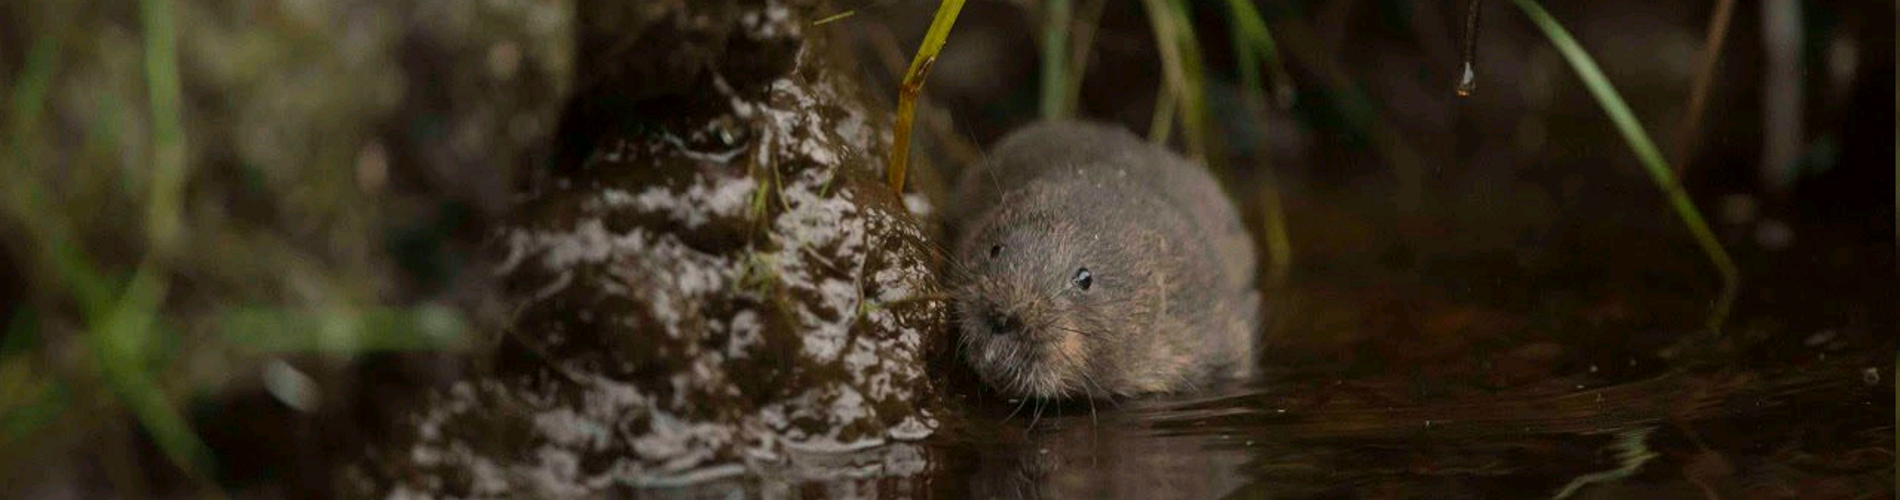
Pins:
x,y
1003,323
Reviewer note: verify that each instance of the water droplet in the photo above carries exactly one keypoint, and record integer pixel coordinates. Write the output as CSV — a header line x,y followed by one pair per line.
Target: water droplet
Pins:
x,y
1818,338
1468,81
291,386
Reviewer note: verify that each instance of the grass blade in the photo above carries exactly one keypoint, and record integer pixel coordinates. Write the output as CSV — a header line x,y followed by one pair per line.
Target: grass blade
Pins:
x,y
1254,47
164,225
1254,44
1181,72
1081,43
1645,151
28,99
118,340
1055,64
280,330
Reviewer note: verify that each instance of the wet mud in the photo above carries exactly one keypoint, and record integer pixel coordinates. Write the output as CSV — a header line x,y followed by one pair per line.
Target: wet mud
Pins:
x,y
706,278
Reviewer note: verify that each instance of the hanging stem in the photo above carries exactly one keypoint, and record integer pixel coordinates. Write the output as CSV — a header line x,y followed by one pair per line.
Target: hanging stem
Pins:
x,y
1468,75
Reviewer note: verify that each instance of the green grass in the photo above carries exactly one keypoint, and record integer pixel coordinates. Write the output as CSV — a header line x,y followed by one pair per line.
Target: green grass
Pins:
x,y
120,340
121,321
1066,54
104,245
1254,47
1645,151
29,92
1055,58
344,331
1183,78
163,224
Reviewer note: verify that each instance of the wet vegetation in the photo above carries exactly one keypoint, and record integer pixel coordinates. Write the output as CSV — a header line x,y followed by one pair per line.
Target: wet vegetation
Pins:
x,y
651,249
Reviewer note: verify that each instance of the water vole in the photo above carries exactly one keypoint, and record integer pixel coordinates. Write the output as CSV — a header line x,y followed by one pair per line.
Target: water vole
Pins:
x,y
1090,262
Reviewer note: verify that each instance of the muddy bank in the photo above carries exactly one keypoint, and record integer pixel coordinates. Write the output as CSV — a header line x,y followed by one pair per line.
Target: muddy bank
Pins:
x,y
708,277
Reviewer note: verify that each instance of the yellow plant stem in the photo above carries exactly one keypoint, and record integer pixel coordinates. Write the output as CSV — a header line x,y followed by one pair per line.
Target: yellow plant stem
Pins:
x,y
914,84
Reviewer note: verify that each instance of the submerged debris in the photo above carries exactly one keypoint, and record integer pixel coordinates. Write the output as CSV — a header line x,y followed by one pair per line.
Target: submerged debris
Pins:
x,y
713,280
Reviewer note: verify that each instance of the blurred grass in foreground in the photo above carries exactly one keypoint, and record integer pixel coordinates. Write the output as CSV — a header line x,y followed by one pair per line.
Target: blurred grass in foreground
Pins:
x,y
190,198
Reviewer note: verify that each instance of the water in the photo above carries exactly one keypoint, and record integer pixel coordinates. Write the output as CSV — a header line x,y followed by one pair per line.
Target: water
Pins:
x,y
1668,437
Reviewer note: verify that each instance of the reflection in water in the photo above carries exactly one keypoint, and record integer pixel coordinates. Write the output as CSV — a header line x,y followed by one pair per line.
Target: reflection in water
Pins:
x,y
1682,435
1075,457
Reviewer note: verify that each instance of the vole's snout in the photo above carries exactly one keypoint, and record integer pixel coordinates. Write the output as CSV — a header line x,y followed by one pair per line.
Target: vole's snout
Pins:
x,y
1001,322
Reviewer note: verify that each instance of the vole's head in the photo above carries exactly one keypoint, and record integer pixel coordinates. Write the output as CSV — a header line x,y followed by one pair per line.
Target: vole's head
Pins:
x,y
1041,295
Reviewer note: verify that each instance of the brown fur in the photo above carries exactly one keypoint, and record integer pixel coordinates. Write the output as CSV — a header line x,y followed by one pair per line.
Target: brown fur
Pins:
x,y
1172,303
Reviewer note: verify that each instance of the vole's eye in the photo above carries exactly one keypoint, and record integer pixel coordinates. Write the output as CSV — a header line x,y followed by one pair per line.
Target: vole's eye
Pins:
x,y
995,250
1083,278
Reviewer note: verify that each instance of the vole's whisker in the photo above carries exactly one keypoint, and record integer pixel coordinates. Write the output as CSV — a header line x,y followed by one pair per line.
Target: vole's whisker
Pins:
x,y
1046,321
1019,407
995,181
1037,415
963,345
1077,331
1088,389
924,297
939,253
